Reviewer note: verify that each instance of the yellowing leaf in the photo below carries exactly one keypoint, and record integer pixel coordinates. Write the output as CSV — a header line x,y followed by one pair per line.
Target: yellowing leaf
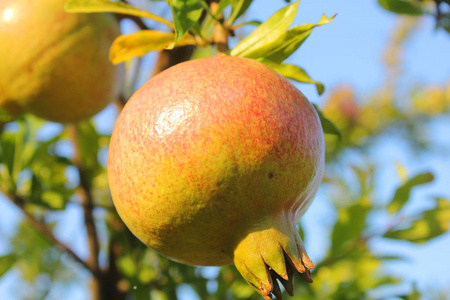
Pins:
x,y
267,32
402,172
94,6
138,44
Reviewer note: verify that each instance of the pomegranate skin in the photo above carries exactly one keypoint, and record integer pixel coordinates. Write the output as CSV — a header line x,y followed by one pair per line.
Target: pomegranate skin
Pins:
x,y
214,161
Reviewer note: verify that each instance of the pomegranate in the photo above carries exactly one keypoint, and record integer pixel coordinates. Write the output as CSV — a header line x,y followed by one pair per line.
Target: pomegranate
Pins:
x,y
55,64
213,162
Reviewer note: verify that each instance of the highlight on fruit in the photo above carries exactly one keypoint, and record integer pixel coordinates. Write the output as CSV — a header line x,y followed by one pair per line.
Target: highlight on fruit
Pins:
x,y
213,162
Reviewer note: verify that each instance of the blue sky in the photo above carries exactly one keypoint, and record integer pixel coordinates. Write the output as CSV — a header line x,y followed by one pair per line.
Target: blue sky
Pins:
x,y
349,50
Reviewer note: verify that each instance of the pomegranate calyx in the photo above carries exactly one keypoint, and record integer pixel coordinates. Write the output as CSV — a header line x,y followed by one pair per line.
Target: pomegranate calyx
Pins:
x,y
267,257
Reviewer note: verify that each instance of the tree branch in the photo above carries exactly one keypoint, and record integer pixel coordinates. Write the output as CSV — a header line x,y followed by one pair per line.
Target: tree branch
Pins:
x,y
220,35
135,19
87,201
169,58
44,230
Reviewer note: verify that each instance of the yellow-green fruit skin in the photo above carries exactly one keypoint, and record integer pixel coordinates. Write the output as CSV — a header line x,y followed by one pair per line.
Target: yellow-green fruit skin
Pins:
x,y
55,64
210,151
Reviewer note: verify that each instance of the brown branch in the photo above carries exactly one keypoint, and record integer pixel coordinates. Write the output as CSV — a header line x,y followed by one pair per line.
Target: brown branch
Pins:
x,y
41,227
138,21
220,34
2,124
87,203
169,58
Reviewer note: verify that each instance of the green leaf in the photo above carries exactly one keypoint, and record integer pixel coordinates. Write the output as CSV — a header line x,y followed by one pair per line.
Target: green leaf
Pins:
x,y
287,43
267,32
251,23
89,144
430,224
406,7
185,14
238,7
6,262
293,72
7,151
5,116
327,126
95,6
53,199
140,43
402,194
349,226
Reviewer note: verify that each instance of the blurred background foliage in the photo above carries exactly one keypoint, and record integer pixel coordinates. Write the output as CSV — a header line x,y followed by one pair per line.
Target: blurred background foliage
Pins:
x,y
46,169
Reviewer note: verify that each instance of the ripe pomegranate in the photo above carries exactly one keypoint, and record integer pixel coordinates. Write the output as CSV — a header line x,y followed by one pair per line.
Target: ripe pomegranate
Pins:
x,y
213,162
55,64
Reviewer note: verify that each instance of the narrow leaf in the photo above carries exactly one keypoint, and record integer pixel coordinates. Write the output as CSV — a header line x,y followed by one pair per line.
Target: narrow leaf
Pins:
x,y
327,126
402,194
138,44
252,23
293,72
287,43
431,223
185,14
94,6
267,32
406,7
6,262
238,7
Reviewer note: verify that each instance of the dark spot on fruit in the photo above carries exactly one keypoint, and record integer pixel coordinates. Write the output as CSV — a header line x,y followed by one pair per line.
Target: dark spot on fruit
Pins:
x,y
271,175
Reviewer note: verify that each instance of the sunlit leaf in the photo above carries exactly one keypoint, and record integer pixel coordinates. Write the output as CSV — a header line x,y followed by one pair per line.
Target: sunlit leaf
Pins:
x,y
53,199
251,23
402,194
267,32
6,262
401,172
293,72
430,224
140,43
238,7
185,14
349,225
94,6
408,7
327,126
287,43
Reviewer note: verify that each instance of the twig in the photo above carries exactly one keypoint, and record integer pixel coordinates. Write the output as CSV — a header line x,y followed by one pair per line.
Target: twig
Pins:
x,y
169,58
44,230
87,202
135,19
